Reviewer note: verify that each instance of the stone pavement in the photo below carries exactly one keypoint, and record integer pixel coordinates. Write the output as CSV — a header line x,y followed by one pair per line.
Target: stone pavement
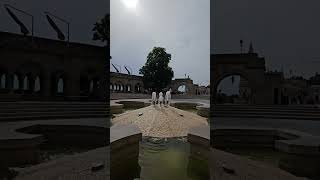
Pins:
x,y
161,122
311,127
227,166
8,129
73,167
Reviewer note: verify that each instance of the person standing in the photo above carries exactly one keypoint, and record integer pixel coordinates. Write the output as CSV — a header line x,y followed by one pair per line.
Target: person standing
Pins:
x,y
154,98
160,99
168,97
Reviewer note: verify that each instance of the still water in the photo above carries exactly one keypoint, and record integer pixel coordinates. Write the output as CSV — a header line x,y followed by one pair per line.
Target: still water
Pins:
x,y
169,159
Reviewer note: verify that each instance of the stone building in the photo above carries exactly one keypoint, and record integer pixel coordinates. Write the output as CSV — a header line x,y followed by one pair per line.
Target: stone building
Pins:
x,y
45,69
125,83
315,88
261,86
128,83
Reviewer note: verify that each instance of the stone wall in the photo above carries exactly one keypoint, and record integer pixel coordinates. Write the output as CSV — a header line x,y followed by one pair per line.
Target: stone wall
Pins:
x,y
45,69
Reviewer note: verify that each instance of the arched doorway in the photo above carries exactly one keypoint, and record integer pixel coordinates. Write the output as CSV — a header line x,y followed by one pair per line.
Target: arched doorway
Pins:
x,y
3,81
249,66
37,85
234,89
128,88
26,83
182,89
60,86
137,88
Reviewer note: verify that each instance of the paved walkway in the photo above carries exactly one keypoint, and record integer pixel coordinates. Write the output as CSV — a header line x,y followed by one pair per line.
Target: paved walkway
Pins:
x,y
8,129
161,122
244,169
311,127
74,167
200,101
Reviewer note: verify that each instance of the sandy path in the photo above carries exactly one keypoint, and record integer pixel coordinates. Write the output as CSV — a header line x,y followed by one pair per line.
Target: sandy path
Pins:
x,y
161,122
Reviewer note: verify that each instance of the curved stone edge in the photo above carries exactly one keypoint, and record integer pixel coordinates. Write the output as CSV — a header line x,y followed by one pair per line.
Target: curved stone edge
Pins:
x,y
283,140
124,150
21,147
76,166
199,140
199,135
117,106
203,110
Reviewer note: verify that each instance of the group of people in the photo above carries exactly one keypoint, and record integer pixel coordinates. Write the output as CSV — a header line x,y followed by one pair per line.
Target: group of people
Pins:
x,y
161,100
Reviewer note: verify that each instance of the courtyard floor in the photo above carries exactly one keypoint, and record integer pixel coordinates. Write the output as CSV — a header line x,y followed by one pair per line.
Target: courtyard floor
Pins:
x,y
158,121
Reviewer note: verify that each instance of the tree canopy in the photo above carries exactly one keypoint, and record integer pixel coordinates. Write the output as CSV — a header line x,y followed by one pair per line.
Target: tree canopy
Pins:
x,y
156,72
101,29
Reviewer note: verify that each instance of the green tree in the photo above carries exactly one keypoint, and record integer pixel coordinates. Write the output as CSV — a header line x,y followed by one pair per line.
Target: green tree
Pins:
x,y
101,29
156,72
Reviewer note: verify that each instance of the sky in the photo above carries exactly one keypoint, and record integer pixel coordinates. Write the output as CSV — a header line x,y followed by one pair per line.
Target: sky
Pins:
x,y
180,26
285,32
81,14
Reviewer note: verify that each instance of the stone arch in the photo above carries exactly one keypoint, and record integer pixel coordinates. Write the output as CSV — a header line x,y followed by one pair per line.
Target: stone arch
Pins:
x,y
59,82
182,85
242,96
122,89
26,82
138,88
37,84
3,81
188,83
128,88
118,85
220,77
94,86
16,82
60,85
91,86
249,66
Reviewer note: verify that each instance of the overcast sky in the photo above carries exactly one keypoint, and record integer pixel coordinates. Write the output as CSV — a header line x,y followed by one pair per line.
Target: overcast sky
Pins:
x,y
81,14
286,32
180,26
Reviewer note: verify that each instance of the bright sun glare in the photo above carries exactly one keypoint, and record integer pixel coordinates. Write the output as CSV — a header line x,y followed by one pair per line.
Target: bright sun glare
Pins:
x,y
130,4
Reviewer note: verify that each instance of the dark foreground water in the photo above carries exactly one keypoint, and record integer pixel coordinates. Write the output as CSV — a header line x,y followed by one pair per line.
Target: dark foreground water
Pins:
x,y
170,159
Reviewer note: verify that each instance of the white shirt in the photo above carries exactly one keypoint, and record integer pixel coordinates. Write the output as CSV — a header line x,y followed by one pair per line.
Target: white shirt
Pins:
x,y
160,96
154,96
168,96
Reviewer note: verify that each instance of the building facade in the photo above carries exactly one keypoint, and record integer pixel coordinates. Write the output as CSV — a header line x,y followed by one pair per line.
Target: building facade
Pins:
x,y
45,69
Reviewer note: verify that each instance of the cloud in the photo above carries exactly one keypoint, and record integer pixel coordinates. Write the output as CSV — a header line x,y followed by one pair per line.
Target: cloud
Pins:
x,y
181,26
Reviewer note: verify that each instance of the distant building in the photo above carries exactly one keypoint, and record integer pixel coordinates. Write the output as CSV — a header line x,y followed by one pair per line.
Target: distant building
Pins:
x,y
315,88
46,69
258,86
128,83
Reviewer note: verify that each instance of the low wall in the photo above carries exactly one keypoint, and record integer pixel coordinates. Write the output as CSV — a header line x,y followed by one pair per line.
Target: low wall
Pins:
x,y
198,137
124,151
115,96
25,149
302,151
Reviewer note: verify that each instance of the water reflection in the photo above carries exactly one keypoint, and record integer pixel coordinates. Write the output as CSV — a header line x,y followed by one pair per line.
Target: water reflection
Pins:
x,y
168,158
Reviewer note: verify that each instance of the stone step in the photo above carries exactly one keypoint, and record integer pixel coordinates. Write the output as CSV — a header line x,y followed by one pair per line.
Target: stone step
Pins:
x,y
315,113
266,107
268,116
35,113
55,116
35,110
50,109
53,102
51,105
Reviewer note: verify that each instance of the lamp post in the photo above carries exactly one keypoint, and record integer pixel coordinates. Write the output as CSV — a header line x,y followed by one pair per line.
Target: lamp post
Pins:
x,y
62,20
24,12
